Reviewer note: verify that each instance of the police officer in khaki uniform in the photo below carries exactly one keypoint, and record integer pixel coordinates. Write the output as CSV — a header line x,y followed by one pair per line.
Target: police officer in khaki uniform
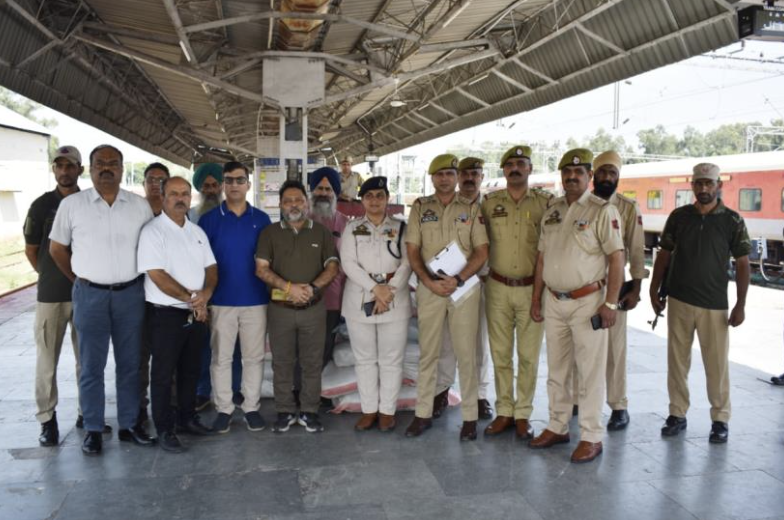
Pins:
x,y
581,254
436,221
469,176
350,181
513,217
607,169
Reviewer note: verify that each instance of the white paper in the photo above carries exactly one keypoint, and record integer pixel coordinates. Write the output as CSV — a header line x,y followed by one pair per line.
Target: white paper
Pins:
x,y
451,261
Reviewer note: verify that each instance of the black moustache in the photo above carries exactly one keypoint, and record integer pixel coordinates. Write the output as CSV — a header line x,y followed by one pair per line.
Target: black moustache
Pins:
x,y
469,183
180,205
515,172
108,172
572,181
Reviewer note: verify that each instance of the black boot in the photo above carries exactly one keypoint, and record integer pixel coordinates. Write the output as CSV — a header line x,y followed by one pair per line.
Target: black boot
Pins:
x,y
50,434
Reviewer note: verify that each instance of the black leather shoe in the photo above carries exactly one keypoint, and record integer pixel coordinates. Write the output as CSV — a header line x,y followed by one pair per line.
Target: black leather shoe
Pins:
x,y
440,403
195,427
50,433
777,380
485,410
93,443
135,435
719,433
673,426
80,424
170,442
468,431
418,426
619,420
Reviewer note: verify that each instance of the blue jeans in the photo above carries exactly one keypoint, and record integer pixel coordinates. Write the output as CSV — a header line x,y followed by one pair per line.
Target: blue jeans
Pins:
x,y
204,387
101,315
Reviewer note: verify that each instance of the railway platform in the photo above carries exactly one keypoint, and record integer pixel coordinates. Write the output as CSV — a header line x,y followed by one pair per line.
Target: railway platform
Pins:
x,y
344,474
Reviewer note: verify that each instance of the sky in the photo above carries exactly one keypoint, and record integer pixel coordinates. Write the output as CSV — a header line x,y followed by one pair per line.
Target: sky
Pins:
x,y
702,92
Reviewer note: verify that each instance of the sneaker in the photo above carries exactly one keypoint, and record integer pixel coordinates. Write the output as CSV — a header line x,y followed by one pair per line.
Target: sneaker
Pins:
x,y
311,422
284,422
202,402
222,423
80,425
255,421
50,434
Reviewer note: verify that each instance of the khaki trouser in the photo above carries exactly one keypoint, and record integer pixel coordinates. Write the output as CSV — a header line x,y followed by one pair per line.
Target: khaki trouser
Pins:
x,y
251,325
378,350
713,332
509,309
572,340
463,322
447,363
51,320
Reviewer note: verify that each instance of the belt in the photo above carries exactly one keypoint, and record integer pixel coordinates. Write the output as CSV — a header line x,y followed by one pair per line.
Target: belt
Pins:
x,y
381,277
114,286
296,307
579,293
512,282
171,308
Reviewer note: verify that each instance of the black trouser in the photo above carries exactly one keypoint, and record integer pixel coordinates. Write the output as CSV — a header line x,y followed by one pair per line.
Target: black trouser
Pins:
x,y
176,348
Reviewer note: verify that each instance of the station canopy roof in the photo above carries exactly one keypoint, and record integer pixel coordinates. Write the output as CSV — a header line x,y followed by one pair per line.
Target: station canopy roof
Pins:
x,y
183,79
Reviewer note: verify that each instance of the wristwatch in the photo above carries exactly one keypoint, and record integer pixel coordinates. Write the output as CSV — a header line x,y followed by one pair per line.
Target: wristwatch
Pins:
x,y
316,290
460,281
611,306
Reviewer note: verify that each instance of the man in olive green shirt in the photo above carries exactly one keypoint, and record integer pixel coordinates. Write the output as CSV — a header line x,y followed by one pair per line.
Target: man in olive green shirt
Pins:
x,y
696,245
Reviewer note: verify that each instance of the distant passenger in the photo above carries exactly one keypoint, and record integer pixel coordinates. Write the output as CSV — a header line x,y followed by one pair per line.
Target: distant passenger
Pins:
x,y
350,181
180,277
239,305
297,259
93,242
696,245
324,190
54,310
154,175
470,172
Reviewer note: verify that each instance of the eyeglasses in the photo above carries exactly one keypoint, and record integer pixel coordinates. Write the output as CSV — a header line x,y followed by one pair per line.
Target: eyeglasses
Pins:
x,y
235,180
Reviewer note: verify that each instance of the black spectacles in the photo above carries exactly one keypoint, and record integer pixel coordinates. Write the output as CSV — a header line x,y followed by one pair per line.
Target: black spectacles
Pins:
x,y
235,180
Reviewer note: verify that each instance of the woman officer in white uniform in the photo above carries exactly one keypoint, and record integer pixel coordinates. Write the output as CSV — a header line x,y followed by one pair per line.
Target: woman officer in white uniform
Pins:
x,y
376,304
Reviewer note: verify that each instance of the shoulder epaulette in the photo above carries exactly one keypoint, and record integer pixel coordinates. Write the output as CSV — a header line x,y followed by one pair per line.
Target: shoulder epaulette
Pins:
x,y
597,200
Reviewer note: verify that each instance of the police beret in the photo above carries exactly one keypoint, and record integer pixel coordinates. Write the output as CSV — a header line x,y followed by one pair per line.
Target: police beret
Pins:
x,y
374,183
514,152
576,157
471,163
442,162
705,171
607,158
206,170
332,176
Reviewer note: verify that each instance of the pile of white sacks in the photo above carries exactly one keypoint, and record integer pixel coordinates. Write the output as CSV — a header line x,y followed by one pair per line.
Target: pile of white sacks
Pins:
x,y
339,379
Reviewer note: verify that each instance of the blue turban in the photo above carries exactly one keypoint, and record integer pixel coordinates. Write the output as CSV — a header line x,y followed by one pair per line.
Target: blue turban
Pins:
x,y
205,170
332,176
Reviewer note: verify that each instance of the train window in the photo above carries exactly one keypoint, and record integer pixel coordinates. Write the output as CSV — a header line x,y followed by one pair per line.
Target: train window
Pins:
x,y
633,195
655,199
683,198
751,199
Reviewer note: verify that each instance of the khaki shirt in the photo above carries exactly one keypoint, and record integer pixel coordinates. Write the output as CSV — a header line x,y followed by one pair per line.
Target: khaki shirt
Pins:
x,y
369,250
349,186
297,256
432,226
576,239
513,228
633,234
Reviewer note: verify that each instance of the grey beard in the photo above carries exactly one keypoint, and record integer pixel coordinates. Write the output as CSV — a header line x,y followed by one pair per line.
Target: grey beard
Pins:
x,y
208,203
287,216
323,210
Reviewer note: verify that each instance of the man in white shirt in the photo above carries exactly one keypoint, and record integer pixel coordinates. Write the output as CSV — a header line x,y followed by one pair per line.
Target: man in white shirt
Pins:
x,y
181,275
93,242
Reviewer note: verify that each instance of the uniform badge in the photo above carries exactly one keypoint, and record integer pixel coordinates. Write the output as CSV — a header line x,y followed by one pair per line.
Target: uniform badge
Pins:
x,y
454,163
576,159
463,218
390,234
481,219
361,230
477,165
519,151
553,218
615,224
639,220
499,211
429,216
581,225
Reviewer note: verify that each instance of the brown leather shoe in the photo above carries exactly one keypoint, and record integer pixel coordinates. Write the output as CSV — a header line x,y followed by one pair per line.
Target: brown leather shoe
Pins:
x,y
547,439
523,429
586,452
440,403
418,426
468,431
499,425
386,423
366,422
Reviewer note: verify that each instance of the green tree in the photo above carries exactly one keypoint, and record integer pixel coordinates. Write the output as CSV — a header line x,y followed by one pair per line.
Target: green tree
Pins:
x,y
657,141
693,143
727,139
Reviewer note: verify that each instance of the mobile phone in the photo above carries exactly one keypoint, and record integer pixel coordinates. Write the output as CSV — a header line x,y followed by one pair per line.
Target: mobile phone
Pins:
x,y
596,322
369,307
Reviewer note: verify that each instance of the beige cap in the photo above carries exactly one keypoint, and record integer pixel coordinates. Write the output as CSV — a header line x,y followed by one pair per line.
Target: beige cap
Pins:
x,y
346,158
705,171
70,153
609,157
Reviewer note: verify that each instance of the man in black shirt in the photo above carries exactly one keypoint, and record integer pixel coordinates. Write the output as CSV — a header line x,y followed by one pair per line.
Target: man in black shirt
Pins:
x,y
53,311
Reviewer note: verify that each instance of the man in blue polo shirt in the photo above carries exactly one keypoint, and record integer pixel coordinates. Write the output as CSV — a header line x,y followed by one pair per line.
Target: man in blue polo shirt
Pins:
x,y
239,304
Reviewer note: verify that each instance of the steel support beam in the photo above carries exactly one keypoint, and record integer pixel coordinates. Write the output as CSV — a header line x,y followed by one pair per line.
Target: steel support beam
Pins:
x,y
472,97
